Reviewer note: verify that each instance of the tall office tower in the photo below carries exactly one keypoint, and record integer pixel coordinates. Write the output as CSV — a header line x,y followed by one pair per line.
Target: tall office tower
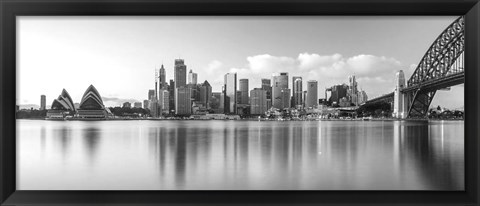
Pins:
x,y
297,92
279,83
338,92
183,101
258,101
267,86
164,101
162,78
230,93
285,95
214,102
305,99
362,97
352,90
151,94
243,91
192,77
205,94
171,93
399,110
223,101
312,94
43,102
146,104
180,73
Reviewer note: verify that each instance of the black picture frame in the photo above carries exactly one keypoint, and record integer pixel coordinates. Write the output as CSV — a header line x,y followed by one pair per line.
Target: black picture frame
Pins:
x,y
9,9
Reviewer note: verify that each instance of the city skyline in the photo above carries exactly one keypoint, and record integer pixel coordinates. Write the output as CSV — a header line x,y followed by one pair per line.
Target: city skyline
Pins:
x,y
325,66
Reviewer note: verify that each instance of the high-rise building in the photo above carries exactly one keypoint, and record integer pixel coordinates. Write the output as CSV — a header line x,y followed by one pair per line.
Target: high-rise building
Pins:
x,y
267,86
171,93
362,97
338,92
312,94
180,73
162,78
192,77
352,90
304,98
279,84
215,103
164,101
258,101
243,91
183,101
43,102
127,105
137,104
285,95
151,94
146,104
297,92
205,94
230,93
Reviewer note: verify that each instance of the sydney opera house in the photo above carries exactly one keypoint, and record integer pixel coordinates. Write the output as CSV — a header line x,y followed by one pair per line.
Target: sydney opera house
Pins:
x,y
91,107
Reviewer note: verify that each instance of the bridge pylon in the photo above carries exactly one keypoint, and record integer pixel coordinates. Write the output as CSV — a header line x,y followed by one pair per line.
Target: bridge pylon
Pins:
x,y
400,107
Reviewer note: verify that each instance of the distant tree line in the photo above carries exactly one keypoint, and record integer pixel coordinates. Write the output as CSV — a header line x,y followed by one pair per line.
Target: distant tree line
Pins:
x,y
31,114
127,111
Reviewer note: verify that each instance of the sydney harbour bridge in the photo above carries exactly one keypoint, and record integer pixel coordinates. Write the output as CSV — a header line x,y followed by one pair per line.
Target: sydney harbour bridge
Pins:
x,y
441,67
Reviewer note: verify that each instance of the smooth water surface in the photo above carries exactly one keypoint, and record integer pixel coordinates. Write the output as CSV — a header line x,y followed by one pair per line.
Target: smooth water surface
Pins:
x,y
240,155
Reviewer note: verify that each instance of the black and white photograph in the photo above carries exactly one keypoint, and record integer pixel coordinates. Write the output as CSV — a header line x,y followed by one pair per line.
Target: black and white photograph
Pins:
x,y
240,103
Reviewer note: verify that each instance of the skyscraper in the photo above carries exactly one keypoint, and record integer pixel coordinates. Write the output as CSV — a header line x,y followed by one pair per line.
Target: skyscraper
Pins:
x,y
244,91
312,94
258,101
164,101
183,101
151,94
267,86
297,92
43,102
171,93
146,104
192,77
205,94
230,93
162,78
137,104
279,86
352,90
180,73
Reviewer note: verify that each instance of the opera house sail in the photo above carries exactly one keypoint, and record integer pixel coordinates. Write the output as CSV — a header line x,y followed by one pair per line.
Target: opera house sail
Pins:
x,y
91,106
62,107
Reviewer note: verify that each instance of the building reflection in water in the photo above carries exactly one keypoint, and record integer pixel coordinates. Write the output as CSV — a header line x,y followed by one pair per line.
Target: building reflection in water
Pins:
x,y
243,155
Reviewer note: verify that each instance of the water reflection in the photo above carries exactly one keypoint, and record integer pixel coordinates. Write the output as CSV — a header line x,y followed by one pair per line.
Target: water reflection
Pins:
x,y
239,155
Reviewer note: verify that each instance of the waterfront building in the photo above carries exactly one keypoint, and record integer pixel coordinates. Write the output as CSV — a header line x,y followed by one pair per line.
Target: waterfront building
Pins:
x,y
146,104
214,102
285,95
267,86
43,102
76,105
61,107
180,73
91,106
137,105
171,93
337,92
362,97
352,90
205,94
230,93
312,94
279,86
164,101
127,105
151,94
183,101
162,78
192,77
243,91
297,100
305,99
258,101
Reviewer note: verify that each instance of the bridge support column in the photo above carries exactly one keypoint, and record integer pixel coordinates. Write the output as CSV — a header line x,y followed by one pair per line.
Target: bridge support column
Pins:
x,y
399,99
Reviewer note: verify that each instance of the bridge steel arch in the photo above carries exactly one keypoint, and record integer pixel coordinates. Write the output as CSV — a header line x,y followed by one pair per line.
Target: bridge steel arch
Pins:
x,y
442,60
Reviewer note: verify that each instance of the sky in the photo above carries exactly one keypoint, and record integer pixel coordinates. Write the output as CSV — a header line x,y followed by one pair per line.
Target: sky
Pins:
x,y
119,55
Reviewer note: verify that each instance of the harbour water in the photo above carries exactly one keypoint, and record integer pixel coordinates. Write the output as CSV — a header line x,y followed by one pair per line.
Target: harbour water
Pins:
x,y
240,155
